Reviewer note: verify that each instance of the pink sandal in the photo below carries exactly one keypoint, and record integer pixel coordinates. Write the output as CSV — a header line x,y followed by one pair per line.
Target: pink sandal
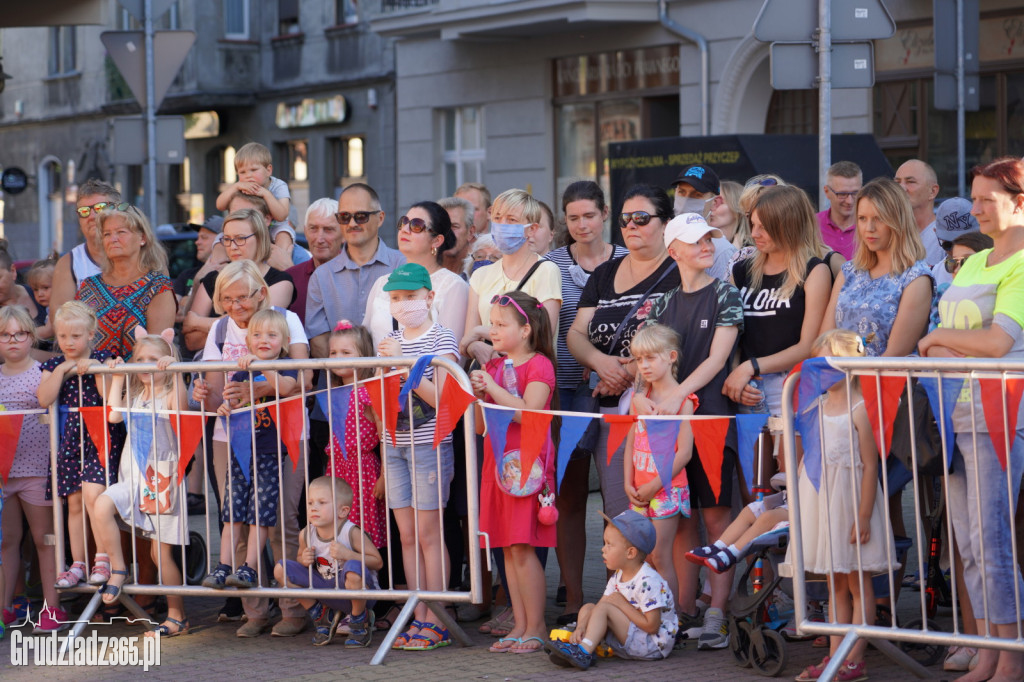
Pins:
x,y
73,576
100,570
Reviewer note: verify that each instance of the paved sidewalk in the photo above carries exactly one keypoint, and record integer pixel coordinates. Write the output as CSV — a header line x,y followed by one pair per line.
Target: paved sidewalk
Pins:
x,y
212,651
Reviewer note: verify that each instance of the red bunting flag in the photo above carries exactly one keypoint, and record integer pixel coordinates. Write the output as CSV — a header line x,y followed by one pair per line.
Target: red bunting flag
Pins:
x,y
618,428
891,390
189,429
96,419
10,431
796,389
709,442
534,435
451,407
289,416
391,386
992,406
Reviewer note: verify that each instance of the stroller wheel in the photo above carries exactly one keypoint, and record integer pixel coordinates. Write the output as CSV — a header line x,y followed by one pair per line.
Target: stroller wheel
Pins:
x,y
195,559
925,654
739,641
767,652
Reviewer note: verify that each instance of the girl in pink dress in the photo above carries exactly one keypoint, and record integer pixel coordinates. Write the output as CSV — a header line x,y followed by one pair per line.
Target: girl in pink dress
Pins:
x,y
360,466
521,331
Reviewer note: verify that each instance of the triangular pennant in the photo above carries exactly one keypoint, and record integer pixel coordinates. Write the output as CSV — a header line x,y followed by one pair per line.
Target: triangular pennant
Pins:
x,y
189,429
336,410
289,416
942,408
796,392
497,429
62,421
891,388
140,434
569,436
414,378
992,405
618,427
709,441
662,436
240,425
817,375
95,419
384,393
748,429
453,404
534,435
810,436
10,432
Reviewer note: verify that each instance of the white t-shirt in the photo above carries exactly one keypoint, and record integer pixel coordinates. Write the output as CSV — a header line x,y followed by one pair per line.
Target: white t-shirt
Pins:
x,y
934,252
648,591
451,295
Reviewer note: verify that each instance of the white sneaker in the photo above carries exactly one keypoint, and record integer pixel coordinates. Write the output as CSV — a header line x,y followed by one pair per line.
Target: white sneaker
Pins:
x,y
716,631
959,658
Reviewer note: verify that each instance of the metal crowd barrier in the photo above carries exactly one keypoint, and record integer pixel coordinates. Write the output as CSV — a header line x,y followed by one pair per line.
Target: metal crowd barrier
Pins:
x,y
919,631
412,595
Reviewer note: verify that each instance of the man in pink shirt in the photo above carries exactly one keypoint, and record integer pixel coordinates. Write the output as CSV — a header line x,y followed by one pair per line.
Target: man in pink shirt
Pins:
x,y
838,224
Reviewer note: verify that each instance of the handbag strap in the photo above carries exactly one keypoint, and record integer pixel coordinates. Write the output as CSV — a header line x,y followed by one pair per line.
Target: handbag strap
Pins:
x,y
533,269
636,306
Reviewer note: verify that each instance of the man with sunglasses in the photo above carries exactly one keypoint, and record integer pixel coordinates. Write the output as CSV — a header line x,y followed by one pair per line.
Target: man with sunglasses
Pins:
x,y
922,186
838,227
83,260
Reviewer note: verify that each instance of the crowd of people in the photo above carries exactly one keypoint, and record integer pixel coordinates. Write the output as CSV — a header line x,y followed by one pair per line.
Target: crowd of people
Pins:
x,y
713,294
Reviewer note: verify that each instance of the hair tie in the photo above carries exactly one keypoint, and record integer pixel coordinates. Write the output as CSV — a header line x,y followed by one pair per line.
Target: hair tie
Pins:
x,y
539,306
343,326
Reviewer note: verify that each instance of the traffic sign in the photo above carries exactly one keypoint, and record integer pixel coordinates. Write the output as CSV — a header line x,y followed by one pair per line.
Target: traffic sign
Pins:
x,y
137,8
797,20
794,66
13,180
130,140
861,20
946,55
127,49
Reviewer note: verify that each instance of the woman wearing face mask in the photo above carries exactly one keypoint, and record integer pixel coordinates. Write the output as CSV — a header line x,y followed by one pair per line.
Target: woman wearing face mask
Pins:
x,y
514,214
424,235
585,212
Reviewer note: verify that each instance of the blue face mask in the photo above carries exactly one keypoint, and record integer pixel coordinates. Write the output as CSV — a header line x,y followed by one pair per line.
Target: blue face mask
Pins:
x,y
508,238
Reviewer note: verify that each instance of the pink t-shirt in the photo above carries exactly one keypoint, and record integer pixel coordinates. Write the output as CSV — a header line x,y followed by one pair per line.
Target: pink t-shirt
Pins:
x,y
835,237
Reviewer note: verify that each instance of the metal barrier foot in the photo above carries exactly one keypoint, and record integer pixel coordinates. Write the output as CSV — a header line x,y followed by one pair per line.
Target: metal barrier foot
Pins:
x,y
397,627
439,610
898,655
839,657
83,620
140,613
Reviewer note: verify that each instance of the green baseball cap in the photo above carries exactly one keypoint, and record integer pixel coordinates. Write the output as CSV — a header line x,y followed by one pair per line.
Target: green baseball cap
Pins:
x,y
408,277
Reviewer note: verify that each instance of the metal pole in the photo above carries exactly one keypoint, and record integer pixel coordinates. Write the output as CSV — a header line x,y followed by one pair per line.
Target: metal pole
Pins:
x,y
824,95
961,103
150,117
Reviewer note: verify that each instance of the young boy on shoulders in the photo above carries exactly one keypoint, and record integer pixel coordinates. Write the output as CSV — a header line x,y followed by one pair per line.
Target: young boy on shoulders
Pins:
x,y
336,553
254,170
636,617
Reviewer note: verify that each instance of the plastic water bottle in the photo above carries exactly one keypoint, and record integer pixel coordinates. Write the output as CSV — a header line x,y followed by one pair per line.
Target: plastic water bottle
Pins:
x,y
508,377
762,406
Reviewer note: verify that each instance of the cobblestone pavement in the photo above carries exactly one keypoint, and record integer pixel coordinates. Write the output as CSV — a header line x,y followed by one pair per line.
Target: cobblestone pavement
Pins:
x,y
212,651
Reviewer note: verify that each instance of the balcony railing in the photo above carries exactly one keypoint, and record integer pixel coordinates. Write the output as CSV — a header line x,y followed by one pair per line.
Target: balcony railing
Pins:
x,y
387,6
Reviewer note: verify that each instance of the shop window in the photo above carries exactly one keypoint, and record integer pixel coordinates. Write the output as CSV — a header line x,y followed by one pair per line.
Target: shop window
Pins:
x,y
463,153
346,12
287,17
792,112
236,19
228,166
62,51
347,161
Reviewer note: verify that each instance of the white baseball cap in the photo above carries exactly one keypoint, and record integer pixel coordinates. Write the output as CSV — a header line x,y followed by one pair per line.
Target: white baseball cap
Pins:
x,y
689,228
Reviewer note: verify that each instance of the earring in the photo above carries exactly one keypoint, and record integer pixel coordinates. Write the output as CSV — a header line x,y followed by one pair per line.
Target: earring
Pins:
x,y
433,251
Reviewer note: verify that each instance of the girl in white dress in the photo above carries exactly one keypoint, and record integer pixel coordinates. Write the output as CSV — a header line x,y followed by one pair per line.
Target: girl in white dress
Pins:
x,y
843,521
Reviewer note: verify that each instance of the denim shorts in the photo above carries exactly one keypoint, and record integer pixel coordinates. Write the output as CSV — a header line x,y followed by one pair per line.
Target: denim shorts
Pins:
x,y
432,482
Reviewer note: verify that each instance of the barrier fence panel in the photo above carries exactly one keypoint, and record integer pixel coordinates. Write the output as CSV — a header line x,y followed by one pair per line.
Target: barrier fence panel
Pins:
x,y
949,431
261,458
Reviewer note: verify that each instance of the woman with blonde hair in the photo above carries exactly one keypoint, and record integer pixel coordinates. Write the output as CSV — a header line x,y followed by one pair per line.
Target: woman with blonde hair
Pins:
x,y
727,215
884,294
132,288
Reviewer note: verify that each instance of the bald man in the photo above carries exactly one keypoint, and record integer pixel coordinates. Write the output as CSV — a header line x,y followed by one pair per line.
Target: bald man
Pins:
x,y
922,186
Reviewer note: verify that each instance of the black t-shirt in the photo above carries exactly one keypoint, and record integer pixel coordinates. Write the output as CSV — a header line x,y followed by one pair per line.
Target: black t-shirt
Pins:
x,y
183,282
771,324
272,277
263,422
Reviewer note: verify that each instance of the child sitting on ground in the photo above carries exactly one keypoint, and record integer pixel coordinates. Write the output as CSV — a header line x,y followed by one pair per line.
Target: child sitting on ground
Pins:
x,y
334,553
636,617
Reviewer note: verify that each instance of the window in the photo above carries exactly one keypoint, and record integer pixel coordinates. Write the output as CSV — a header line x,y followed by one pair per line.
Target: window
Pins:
x,y
287,17
347,161
462,132
62,50
236,19
792,112
346,12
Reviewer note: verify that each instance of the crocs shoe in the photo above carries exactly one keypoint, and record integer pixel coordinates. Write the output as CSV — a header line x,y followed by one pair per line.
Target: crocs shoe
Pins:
x,y
567,654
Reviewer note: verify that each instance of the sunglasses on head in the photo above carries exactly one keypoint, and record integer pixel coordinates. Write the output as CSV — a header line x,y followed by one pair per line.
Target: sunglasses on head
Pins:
x,y
506,300
360,217
416,225
638,218
83,211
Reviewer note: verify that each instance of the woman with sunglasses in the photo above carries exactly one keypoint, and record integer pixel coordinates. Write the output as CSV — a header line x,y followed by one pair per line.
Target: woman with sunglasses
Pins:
x,y
424,235
514,215
132,288
245,237
616,300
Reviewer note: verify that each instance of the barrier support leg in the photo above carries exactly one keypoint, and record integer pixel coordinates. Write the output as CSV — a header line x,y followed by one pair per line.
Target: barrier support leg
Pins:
x,y
83,620
839,658
446,619
898,655
140,613
399,626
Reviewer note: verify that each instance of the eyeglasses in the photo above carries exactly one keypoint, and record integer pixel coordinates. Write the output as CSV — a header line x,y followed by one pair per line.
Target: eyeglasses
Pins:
x,y
83,211
505,300
416,225
638,218
241,300
16,336
951,264
237,241
360,217
842,195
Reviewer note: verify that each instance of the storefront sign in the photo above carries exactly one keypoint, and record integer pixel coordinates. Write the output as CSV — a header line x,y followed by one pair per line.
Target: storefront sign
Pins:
x,y
618,71
13,180
1000,39
312,112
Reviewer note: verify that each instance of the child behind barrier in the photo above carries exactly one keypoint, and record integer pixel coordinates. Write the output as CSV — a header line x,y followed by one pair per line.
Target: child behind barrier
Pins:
x,y
81,474
333,553
843,520
147,500
636,617
23,497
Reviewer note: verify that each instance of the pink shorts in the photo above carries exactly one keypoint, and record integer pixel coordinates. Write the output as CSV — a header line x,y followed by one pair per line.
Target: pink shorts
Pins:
x,y
664,506
31,490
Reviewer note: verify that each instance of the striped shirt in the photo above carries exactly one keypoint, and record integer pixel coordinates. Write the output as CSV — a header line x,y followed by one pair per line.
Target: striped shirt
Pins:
x,y
435,341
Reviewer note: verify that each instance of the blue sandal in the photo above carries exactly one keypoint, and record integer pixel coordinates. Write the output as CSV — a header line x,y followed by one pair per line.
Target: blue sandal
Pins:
x,y
113,590
403,639
444,638
165,631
